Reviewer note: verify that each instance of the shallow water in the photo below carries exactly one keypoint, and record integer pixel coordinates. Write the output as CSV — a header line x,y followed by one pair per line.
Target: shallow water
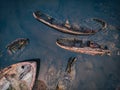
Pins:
x,y
92,72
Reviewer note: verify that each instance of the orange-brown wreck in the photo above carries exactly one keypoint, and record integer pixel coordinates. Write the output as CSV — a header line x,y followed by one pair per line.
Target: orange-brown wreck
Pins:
x,y
87,47
67,27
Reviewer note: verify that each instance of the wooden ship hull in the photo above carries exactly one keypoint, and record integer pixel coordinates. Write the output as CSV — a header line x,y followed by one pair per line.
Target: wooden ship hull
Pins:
x,y
17,45
76,45
20,76
66,27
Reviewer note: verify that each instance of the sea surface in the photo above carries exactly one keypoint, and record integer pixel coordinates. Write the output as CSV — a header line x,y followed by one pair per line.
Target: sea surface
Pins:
x,y
92,72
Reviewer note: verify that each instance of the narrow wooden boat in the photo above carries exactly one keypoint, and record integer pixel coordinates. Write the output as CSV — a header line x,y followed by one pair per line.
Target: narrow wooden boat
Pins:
x,y
17,44
87,47
65,82
71,61
20,76
67,27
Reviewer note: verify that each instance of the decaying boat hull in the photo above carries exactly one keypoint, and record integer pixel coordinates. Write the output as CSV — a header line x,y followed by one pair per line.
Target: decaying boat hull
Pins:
x,y
16,45
62,27
103,23
20,76
69,76
82,49
70,64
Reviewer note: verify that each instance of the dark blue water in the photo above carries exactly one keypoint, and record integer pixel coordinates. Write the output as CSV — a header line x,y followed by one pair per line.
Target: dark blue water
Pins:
x,y
93,72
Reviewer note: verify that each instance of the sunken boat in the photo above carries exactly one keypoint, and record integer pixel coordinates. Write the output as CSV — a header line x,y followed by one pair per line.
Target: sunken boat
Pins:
x,y
86,47
66,27
17,45
65,82
19,76
70,64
